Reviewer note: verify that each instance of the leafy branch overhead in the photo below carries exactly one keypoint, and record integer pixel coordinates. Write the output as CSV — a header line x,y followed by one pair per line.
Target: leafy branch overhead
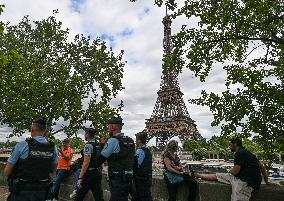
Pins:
x,y
245,37
63,79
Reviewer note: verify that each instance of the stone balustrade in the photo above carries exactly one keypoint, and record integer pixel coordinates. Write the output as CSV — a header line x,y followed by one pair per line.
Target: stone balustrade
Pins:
x,y
207,191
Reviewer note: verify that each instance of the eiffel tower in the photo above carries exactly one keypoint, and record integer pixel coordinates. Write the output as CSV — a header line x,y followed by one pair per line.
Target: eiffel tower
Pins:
x,y
170,116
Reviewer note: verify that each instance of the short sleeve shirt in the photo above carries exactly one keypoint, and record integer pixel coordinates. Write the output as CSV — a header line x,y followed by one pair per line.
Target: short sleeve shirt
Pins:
x,y
112,146
62,163
140,154
21,150
250,170
88,149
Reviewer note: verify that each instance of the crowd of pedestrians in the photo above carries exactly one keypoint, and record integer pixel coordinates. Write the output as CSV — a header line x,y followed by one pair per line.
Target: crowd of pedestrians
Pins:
x,y
129,168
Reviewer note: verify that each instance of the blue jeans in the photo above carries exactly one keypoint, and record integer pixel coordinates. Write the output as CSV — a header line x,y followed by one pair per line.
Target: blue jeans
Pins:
x,y
76,178
60,175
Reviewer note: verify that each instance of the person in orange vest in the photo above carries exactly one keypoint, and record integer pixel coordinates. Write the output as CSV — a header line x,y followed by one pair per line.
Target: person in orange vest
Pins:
x,y
63,167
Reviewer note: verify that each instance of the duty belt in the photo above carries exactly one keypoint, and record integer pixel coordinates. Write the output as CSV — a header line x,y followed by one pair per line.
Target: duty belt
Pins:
x,y
124,172
91,169
16,185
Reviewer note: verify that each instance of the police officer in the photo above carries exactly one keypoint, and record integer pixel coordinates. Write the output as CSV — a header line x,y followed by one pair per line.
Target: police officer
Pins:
x,y
29,165
118,151
142,169
91,172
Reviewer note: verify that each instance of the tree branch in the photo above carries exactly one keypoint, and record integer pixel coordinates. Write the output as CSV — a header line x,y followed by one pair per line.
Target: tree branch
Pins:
x,y
66,128
58,131
274,39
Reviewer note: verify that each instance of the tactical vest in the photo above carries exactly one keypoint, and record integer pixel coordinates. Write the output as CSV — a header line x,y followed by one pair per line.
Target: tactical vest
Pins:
x,y
145,169
93,163
37,166
122,161
80,160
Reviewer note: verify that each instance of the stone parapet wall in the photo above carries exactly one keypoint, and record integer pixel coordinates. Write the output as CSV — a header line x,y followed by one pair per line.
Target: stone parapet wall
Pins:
x,y
207,191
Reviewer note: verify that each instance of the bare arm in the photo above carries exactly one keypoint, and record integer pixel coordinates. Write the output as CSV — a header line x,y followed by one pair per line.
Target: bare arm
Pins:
x,y
85,166
169,167
8,169
235,170
66,156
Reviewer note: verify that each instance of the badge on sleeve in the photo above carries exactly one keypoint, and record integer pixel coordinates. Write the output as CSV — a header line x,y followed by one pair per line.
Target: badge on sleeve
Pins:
x,y
106,145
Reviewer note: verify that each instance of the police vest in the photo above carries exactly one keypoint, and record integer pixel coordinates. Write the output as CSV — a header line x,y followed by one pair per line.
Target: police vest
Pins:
x,y
37,166
123,160
145,169
93,162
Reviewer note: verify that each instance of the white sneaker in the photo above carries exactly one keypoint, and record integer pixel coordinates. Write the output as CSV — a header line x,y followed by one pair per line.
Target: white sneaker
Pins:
x,y
73,194
54,199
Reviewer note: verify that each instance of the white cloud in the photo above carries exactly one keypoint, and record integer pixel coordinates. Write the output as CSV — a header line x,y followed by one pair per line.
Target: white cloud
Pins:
x,y
136,28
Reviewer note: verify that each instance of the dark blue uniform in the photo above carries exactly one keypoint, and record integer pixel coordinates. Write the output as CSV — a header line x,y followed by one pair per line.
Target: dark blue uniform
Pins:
x,y
33,160
119,152
93,177
142,175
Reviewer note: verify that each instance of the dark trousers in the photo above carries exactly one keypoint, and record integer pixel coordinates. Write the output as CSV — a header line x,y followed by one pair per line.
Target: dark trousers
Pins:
x,y
142,190
60,175
27,196
120,187
189,181
92,181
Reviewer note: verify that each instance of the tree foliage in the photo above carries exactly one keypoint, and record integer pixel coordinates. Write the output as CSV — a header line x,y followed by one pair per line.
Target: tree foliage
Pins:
x,y
77,143
246,38
197,148
219,144
57,77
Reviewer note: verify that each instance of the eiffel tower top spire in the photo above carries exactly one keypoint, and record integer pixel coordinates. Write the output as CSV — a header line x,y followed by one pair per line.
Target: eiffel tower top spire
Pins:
x,y
167,34
169,79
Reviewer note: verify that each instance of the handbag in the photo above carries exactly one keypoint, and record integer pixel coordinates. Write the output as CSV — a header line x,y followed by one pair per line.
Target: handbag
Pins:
x,y
174,178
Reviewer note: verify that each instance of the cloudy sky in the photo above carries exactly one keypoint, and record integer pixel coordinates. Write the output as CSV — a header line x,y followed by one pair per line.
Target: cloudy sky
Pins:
x,y
137,29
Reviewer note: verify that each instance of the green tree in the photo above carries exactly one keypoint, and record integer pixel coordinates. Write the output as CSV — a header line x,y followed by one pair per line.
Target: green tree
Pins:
x,y
246,38
198,148
57,142
2,144
219,144
77,142
12,144
56,77
5,55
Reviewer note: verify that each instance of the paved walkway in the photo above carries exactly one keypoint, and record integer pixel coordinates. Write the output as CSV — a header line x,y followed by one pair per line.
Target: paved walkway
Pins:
x,y
3,193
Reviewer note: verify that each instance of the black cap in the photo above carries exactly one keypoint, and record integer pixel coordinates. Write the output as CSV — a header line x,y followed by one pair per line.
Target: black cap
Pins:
x,y
92,131
141,136
116,120
40,121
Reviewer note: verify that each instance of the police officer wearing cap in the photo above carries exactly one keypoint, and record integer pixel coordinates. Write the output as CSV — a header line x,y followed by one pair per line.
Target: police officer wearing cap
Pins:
x,y
142,169
30,164
91,172
118,151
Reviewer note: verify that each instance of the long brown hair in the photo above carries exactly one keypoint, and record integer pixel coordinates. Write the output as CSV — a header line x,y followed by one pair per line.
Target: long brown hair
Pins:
x,y
172,145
